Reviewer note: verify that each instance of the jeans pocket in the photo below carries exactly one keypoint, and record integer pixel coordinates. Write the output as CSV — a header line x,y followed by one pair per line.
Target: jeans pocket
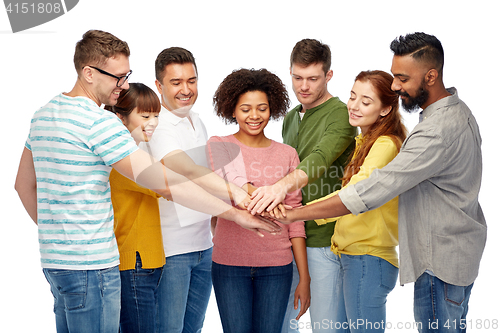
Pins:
x,y
388,275
71,285
454,294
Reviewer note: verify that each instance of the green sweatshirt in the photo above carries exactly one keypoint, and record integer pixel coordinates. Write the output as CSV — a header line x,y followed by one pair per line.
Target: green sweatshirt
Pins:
x,y
324,141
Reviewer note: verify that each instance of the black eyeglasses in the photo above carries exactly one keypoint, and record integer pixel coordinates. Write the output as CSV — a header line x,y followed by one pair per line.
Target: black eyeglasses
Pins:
x,y
120,79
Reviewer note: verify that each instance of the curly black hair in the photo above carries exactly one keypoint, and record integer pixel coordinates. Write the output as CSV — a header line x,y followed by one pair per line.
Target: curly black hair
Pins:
x,y
244,80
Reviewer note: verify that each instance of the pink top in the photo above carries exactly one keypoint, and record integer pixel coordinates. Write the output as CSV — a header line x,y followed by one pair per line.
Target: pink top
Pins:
x,y
240,164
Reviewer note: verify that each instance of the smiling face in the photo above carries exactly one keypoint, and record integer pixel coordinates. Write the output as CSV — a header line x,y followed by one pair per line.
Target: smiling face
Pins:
x,y
364,106
179,87
141,124
309,84
104,88
252,114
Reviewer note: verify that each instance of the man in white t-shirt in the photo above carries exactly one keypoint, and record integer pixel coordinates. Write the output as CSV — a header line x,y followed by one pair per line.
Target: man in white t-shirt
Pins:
x,y
180,140
63,183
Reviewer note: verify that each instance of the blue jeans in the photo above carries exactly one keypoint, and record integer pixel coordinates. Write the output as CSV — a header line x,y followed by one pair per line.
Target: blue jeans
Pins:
x,y
251,299
439,306
184,292
324,269
365,283
139,298
85,301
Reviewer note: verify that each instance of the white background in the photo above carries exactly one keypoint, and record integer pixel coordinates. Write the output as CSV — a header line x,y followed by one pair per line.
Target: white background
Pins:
x,y
37,64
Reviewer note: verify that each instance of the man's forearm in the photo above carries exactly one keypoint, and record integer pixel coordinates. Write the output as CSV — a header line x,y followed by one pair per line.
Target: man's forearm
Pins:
x,y
181,163
221,188
331,207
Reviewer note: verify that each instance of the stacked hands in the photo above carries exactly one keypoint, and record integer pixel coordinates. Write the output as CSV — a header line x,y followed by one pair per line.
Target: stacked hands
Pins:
x,y
266,203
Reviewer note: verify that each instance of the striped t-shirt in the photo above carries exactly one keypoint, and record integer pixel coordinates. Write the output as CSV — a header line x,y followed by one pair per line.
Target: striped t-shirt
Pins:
x,y
74,143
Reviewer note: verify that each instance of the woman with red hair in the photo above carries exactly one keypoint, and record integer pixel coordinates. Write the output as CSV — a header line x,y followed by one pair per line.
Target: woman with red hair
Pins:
x,y
365,244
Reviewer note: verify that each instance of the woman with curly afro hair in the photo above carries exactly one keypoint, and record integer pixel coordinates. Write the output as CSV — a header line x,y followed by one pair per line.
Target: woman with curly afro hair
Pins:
x,y
252,275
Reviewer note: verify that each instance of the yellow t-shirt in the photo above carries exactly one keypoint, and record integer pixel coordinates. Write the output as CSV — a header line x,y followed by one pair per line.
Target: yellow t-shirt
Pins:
x,y
136,223
374,232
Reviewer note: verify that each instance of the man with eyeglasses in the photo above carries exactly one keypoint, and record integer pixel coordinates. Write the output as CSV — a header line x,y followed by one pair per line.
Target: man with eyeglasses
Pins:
x,y
63,183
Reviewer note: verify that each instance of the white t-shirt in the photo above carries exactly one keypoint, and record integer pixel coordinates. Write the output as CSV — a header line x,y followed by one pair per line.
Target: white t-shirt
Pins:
x,y
184,230
74,143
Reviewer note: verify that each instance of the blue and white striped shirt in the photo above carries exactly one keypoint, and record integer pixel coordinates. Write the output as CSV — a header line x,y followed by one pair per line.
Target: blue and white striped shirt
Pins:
x,y
74,143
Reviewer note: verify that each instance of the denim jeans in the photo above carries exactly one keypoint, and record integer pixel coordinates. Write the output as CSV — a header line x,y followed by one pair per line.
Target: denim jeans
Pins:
x,y
139,298
324,270
365,282
251,299
290,324
85,301
439,306
184,292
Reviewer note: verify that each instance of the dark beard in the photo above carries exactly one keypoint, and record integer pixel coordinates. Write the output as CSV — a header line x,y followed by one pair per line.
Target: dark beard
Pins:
x,y
413,104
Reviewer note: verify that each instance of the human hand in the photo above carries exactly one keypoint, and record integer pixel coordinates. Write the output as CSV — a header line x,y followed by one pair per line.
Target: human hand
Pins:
x,y
286,218
279,211
257,224
266,198
302,293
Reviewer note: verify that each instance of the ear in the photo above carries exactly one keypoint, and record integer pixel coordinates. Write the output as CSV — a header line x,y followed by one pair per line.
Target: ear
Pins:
x,y
386,111
159,87
87,74
329,75
431,77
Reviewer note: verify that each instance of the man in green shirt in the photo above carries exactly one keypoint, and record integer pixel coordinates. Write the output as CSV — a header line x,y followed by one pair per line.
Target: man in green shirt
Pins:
x,y
319,130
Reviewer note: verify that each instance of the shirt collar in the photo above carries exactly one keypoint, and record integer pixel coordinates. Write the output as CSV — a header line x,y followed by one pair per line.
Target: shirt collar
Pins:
x,y
173,119
443,102
359,139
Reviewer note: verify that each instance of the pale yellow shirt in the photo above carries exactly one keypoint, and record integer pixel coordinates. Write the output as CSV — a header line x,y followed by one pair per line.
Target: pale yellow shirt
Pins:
x,y
374,232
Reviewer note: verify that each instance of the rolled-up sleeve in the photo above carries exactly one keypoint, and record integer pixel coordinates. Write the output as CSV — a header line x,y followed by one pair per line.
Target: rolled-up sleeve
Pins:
x,y
421,157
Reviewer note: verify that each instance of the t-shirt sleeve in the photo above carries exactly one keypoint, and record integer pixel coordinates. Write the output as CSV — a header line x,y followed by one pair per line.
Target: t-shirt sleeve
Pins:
x,y
110,140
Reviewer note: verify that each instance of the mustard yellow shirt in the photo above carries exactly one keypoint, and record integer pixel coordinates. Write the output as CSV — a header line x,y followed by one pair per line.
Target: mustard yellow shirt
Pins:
x,y
374,232
136,223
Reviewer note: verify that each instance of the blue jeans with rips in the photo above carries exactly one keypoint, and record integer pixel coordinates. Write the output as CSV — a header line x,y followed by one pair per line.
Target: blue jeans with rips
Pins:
x,y
139,298
86,301
439,306
184,292
251,299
